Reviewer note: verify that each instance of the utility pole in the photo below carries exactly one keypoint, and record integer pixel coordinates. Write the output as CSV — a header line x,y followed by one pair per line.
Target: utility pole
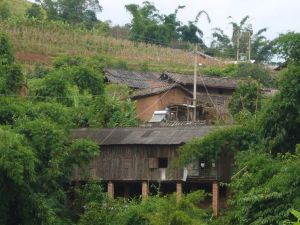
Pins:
x,y
195,85
249,47
238,46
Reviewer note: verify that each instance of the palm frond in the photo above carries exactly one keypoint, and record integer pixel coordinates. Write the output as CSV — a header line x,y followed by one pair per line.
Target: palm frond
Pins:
x,y
178,8
200,13
244,20
258,33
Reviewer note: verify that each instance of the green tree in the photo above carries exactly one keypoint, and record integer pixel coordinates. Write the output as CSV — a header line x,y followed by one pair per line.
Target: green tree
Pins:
x,y
280,118
191,32
55,87
17,171
261,47
146,23
34,180
266,189
4,10
240,30
256,72
35,11
242,41
287,46
72,11
221,45
11,76
247,97
150,26
6,50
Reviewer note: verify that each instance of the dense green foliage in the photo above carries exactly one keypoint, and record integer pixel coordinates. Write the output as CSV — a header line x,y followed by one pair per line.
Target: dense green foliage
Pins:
x,y
242,44
233,139
35,11
265,185
37,154
280,125
247,97
38,157
287,46
77,84
149,26
267,189
13,8
155,210
244,71
37,160
72,11
11,76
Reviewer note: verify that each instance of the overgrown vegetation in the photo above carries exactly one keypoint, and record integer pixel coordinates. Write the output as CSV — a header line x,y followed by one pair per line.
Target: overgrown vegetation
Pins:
x,y
265,186
155,210
37,155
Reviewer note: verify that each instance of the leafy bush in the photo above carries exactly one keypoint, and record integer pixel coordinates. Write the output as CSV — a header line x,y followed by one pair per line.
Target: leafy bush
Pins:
x,y
11,76
255,71
233,139
35,11
266,189
279,120
154,210
247,96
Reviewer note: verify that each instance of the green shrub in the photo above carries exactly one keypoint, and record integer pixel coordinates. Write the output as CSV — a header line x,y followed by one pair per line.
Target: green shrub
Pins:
x,y
247,97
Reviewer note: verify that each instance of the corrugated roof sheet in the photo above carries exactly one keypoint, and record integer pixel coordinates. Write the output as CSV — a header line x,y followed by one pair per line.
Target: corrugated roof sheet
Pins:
x,y
133,79
209,81
158,117
142,136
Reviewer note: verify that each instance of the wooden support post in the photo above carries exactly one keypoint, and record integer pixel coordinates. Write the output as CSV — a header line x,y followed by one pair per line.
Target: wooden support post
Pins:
x,y
110,189
144,189
178,190
215,198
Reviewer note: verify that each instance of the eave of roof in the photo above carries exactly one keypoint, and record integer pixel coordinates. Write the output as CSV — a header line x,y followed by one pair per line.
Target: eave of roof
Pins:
x,y
209,81
142,136
132,79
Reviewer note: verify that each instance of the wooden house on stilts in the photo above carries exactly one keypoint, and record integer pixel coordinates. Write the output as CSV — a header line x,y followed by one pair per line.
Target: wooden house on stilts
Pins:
x,y
133,160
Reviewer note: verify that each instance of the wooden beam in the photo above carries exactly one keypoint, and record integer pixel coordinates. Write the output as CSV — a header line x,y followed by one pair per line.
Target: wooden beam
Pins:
x,y
110,189
144,189
178,190
215,198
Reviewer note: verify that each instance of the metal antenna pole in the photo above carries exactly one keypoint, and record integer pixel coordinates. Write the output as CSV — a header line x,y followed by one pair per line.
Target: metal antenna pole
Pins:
x,y
195,85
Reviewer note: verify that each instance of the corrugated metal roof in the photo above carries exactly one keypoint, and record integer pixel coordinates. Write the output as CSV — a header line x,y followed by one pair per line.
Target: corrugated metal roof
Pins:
x,y
158,116
142,136
209,81
133,79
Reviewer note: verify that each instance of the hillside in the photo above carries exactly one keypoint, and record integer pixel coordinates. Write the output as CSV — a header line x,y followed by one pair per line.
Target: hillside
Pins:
x,y
42,41
17,7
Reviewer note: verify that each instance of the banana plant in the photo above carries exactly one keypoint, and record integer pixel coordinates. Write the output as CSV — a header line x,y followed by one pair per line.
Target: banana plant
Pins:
x,y
295,214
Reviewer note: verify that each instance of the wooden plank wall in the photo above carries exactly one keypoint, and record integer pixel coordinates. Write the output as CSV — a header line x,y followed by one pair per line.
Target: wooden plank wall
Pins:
x,y
131,163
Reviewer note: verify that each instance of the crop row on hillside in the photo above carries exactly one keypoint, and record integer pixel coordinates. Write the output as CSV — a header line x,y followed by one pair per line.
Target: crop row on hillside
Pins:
x,y
33,37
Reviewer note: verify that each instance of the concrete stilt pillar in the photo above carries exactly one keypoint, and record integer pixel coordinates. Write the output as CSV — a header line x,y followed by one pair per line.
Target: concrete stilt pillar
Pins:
x,y
111,189
178,190
215,198
145,189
